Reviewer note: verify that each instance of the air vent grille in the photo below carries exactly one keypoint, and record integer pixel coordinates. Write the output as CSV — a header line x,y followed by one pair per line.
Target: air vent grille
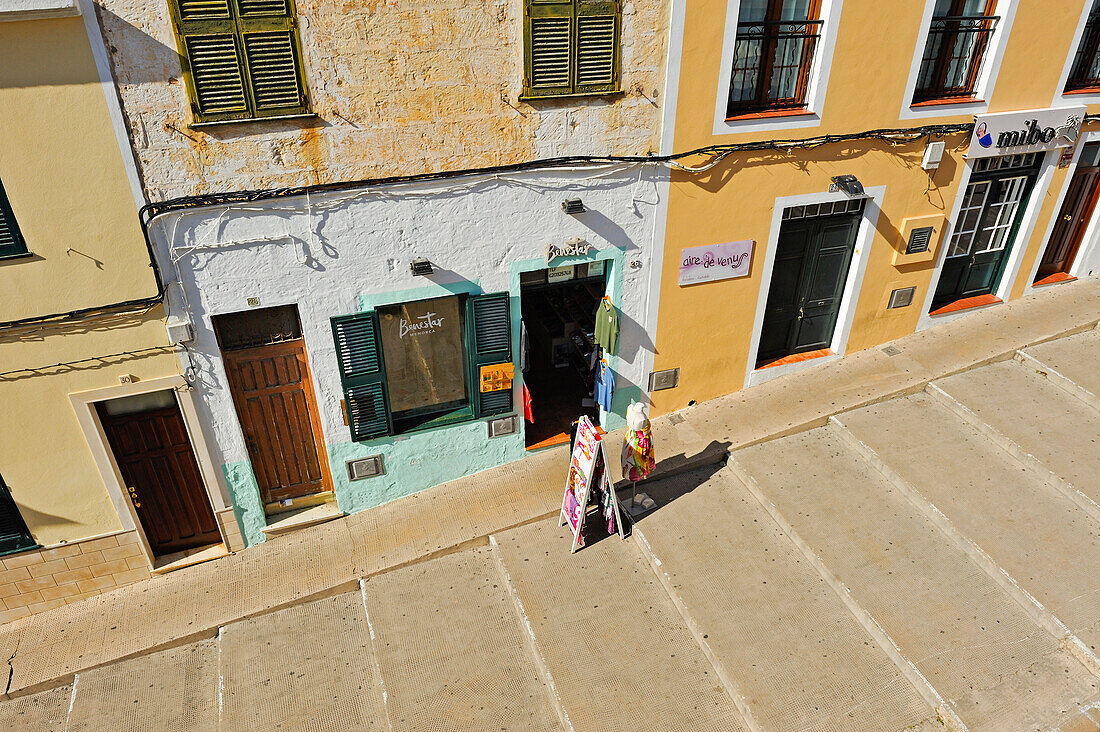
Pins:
x,y
919,240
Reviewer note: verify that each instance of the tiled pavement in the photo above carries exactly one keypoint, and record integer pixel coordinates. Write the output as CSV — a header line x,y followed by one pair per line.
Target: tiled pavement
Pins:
x,y
903,682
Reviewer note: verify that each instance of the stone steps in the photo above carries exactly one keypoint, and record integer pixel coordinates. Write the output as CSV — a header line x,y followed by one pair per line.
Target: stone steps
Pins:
x,y
800,659
926,562
976,646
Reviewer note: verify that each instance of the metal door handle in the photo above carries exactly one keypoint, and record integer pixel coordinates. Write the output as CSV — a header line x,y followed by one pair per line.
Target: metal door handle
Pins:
x,y
133,496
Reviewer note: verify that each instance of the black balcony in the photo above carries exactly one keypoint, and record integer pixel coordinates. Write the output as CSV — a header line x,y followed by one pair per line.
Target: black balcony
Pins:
x,y
771,65
1085,73
953,56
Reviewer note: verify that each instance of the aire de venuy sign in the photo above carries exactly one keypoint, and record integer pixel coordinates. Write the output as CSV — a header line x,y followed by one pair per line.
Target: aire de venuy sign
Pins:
x,y
1011,133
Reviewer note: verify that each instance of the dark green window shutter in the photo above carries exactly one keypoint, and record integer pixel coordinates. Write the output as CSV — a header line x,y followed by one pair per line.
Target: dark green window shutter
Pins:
x,y
14,535
571,47
11,239
598,24
241,57
490,317
363,375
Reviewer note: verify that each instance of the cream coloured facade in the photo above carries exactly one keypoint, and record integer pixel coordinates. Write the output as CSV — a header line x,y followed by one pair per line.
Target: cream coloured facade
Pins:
x,y
80,314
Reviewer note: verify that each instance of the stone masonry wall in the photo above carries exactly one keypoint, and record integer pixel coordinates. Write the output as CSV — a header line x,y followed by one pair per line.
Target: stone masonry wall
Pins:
x,y
398,86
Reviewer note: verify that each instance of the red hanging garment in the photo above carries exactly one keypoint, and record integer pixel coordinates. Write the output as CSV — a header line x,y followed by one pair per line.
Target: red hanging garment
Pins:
x,y
527,414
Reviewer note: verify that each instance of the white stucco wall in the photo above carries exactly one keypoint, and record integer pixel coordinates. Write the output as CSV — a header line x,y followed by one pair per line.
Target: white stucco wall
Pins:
x,y
335,253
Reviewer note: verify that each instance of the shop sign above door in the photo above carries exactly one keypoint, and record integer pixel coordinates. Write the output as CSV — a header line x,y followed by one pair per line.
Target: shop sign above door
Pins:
x,y
1011,133
715,262
570,248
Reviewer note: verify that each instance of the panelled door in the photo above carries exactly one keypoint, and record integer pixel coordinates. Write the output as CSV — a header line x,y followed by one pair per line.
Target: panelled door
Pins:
x,y
265,362
993,206
154,456
812,259
1072,222
274,399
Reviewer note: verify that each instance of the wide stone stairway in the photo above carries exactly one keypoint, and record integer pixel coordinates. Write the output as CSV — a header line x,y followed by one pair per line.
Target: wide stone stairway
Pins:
x,y
927,562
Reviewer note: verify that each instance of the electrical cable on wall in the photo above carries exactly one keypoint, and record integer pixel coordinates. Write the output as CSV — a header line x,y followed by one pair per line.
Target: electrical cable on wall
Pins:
x,y
720,152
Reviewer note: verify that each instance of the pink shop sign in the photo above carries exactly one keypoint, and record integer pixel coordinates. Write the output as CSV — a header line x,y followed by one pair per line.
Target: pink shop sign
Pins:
x,y
715,262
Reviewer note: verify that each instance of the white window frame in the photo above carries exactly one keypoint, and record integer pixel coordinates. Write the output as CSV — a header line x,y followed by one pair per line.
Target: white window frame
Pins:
x,y
1061,99
852,285
815,87
1019,244
987,76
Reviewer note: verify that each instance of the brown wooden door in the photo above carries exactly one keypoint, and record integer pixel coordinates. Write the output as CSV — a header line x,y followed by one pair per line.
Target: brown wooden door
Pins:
x,y
157,463
273,395
1072,222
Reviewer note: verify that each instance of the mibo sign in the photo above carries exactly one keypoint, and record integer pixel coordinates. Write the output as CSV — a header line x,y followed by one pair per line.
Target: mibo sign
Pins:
x,y
1022,132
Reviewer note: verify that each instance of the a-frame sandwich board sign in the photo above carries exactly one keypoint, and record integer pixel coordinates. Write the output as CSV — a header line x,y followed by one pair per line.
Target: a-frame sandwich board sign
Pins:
x,y
583,465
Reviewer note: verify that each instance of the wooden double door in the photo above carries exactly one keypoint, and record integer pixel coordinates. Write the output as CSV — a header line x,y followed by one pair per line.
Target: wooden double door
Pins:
x,y
1073,220
812,260
154,455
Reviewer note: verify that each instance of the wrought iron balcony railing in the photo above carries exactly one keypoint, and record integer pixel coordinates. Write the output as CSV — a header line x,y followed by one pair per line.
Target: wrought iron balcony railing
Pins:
x,y
771,65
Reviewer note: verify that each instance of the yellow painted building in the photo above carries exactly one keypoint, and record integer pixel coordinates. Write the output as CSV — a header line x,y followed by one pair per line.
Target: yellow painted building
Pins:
x,y
84,352
887,81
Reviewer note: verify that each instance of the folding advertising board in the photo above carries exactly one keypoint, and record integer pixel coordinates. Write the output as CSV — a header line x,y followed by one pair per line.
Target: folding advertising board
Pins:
x,y
583,466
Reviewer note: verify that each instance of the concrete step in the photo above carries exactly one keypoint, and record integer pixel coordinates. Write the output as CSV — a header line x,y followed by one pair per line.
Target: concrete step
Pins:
x,y
795,652
1039,418
307,667
45,711
284,523
977,647
172,690
451,650
1048,545
611,639
1073,358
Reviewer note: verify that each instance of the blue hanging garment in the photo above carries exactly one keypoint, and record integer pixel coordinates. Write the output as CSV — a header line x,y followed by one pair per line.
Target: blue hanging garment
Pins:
x,y
605,386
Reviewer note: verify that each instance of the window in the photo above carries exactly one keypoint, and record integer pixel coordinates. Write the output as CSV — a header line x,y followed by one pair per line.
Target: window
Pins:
x,y
1085,73
241,58
957,39
772,55
417,365
11,240
14,536
571,47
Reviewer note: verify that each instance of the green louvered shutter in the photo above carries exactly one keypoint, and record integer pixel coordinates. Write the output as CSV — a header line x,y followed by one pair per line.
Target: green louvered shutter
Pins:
x,y
14,536
597,44
241,58
272,57
11,239
548,40
363,375
491,343
571,47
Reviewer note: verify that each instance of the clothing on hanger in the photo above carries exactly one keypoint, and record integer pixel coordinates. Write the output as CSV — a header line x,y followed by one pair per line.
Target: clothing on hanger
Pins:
x,y
527,413
605,385
524,347
607,325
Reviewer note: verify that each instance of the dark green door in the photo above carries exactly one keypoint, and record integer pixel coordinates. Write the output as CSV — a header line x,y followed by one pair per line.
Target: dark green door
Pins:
x,y
992,209
811,266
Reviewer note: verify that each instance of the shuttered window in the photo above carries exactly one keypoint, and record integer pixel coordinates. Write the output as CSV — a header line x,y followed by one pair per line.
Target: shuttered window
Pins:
x,y
571,47
241,58
11,240
14,536
368,394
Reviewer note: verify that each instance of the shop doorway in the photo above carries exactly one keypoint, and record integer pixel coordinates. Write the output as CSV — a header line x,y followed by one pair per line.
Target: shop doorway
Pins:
x,y
1073,220
150,445
558,355
812,259
269,379
993,207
